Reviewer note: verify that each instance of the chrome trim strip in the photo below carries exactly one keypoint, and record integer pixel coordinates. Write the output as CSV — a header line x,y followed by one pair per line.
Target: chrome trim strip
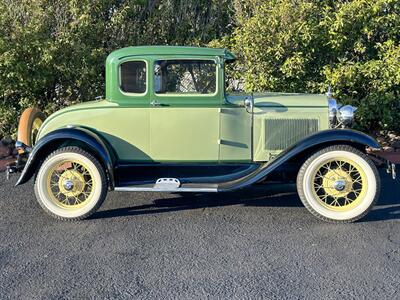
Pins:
x,y
149,189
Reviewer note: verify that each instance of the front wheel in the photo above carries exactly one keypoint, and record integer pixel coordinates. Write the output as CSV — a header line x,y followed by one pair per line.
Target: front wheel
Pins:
x,y
71,184
338,184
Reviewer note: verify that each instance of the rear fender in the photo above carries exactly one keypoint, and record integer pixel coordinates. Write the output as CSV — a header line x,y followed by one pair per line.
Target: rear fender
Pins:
x,y
66,136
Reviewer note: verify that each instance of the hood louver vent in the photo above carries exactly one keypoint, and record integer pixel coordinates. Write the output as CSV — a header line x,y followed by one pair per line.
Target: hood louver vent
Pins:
x,y
282,133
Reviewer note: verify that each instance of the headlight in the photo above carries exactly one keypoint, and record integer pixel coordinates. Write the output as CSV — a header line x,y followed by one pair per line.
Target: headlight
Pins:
x,y
346,115
333,108
340,116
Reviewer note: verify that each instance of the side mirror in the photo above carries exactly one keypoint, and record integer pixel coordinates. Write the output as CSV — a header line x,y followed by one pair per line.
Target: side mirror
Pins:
x,y
249,104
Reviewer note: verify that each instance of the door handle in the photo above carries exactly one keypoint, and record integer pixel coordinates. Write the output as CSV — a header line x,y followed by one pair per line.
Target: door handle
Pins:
x,y
155,103
249,104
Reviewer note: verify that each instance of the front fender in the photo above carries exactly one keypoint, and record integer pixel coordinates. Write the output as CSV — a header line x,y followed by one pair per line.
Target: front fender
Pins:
x,y
321,138
49,142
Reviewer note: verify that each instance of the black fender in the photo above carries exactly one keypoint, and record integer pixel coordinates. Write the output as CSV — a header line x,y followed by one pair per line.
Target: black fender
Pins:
x,y
319,139
97,146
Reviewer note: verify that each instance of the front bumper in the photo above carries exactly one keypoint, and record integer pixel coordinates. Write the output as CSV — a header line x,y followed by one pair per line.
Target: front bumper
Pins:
x,y
388,158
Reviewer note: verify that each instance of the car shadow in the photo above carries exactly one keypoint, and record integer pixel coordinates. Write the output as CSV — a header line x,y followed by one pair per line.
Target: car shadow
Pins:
x,y
388,205
282,195
275,196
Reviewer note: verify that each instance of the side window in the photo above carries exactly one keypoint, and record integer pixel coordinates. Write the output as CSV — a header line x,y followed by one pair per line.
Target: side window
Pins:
x,y
133,77
185,77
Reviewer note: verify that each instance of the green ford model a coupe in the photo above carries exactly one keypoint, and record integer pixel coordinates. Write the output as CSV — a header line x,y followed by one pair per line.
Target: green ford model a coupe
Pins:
x,y
168,124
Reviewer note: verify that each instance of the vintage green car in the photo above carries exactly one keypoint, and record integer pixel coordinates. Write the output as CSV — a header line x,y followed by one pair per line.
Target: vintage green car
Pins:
x,y
167,123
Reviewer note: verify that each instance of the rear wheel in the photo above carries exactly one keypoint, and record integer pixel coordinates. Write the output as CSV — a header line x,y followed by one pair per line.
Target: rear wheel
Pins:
x,y
71,184
338,184
29,124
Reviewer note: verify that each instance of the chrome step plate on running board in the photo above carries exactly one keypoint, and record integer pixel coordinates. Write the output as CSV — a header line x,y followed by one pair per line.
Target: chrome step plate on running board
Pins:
x,y
167,183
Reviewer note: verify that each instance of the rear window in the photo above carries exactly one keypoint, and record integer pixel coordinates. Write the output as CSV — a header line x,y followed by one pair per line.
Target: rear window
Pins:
x,y
185,77
133,77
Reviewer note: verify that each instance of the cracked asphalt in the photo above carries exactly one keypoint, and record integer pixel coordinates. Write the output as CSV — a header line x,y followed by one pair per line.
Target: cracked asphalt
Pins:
x,y
259,243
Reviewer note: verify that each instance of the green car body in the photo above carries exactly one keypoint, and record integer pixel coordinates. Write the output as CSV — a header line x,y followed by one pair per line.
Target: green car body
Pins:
x,y
192,128
167,123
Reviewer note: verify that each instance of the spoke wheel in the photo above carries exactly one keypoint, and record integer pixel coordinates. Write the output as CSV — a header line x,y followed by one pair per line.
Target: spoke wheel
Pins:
x,y
338,184
71,184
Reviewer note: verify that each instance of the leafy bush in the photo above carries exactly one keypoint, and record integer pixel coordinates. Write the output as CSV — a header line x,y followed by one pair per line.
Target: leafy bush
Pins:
x,y
305,46
52,53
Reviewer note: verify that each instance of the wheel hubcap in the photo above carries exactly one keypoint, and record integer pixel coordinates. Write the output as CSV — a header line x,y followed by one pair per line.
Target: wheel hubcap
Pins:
x,y
68,185
339,185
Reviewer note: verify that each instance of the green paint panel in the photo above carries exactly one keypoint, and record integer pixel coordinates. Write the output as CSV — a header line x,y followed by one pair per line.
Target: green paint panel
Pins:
x,y
169,50
184,134
235,139
284,100
127,129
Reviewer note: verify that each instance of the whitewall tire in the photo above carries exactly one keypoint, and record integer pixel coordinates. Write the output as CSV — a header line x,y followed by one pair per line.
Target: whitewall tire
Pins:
x,y
338,184
71,184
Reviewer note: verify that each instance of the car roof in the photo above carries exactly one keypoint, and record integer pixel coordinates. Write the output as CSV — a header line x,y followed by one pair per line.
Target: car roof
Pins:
x,y
170,50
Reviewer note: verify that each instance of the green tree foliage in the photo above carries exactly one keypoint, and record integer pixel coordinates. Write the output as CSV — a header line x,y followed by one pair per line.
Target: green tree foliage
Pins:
x,y
365,42
52,53
304,46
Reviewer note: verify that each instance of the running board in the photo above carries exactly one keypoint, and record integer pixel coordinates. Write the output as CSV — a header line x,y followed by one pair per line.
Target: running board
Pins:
x,y
175,190
169,185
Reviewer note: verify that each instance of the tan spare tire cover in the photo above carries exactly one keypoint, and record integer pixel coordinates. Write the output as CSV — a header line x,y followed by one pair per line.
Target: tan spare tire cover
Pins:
x,y
29,124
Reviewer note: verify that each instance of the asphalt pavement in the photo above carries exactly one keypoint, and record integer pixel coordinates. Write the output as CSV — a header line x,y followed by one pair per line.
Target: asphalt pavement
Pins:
x,y
259,243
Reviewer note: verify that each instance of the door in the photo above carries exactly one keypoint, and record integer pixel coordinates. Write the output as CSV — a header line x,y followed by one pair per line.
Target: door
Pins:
x,y
184,110
125,121
236,129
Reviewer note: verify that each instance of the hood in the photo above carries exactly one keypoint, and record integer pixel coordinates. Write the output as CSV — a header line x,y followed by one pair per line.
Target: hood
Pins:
x,y
289,100
271,99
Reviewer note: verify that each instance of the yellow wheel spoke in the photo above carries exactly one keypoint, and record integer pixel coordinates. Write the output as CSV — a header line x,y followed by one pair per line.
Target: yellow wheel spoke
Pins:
x,y
326,168
77,201
324,198
86,195
70,183
336,202
352,169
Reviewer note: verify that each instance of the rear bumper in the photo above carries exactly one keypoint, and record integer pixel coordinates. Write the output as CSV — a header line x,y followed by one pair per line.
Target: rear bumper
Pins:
x,y
22,158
